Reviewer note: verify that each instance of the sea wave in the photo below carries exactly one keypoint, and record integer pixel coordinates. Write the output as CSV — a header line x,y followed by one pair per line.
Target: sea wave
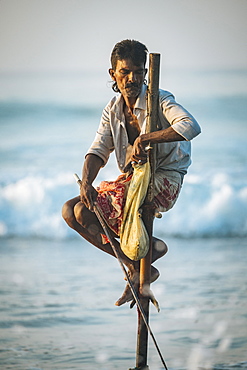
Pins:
x,y
215,207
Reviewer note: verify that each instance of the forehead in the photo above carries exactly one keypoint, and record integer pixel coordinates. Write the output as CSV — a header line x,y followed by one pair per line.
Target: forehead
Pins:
x,y
128,64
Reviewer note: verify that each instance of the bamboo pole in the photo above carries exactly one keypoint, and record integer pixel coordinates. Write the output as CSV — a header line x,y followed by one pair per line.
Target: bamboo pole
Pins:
x,y
145,263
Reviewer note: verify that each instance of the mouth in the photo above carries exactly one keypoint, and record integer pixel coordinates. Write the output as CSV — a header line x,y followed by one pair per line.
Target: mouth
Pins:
x,y
132,90
132,87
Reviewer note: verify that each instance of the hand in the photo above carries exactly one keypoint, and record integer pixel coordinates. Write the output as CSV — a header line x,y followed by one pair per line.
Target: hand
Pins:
x,y
139,154
88,195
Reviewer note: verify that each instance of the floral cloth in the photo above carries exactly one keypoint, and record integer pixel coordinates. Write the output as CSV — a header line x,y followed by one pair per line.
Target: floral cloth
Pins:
x,y
111,200
112,197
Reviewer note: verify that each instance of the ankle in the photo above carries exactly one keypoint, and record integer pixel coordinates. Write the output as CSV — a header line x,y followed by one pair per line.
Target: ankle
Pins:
x,y
134,268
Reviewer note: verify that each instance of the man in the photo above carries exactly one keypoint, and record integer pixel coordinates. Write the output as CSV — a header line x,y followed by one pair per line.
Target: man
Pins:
x,y
122,128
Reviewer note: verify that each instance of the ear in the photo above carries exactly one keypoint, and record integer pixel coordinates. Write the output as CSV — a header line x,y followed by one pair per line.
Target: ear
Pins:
x,y
112,74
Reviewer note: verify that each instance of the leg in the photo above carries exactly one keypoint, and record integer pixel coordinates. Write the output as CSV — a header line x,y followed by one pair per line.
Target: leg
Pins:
x,y
159,249
85,222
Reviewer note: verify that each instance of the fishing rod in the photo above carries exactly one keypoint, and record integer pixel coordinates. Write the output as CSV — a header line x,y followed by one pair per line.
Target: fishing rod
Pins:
x,y
100,217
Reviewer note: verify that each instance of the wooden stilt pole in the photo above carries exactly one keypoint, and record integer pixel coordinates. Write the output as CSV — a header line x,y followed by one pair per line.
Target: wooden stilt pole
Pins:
x,y
145,263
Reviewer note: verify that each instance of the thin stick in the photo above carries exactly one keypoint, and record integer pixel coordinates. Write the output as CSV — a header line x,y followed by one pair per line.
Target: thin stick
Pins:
x,y
133,291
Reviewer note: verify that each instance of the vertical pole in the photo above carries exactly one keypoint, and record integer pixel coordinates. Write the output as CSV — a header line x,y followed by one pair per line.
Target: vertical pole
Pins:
x,y
145,263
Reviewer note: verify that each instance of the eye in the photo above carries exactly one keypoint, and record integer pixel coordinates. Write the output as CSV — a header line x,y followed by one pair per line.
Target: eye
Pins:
x,y
124,72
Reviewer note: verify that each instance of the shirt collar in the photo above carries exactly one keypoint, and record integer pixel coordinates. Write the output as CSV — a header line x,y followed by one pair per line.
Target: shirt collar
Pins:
x,y
141,102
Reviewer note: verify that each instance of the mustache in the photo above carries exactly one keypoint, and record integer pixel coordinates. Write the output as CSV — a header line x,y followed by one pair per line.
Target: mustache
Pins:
x,y
131,85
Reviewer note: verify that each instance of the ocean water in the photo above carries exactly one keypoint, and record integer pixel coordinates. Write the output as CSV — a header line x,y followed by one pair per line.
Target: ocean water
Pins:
x,y
46,133
57,293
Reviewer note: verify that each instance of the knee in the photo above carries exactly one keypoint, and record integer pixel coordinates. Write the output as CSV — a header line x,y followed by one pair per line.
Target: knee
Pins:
x,y
68,213
160,247
86,219
79,212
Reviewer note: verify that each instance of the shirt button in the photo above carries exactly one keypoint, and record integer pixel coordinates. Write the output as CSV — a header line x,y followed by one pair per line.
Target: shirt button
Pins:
x,y
124,146
121,165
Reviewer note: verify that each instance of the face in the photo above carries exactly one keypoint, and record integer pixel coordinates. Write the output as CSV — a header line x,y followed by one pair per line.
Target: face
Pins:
x,y
129,78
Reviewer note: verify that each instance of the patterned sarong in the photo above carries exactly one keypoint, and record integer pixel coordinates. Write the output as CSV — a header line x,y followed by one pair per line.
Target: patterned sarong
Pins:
x,y
112,197
111,200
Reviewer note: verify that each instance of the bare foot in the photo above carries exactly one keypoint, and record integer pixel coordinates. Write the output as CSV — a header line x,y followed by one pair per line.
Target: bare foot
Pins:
x,y
127,295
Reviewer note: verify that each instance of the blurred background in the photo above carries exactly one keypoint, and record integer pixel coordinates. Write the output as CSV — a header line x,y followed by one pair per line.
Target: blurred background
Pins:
x,y
54,84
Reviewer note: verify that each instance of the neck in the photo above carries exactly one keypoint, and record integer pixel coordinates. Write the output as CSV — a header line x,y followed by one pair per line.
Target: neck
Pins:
x,y
130,102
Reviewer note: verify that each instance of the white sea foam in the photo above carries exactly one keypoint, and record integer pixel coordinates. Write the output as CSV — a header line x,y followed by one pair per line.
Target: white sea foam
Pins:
x,y
208,207
44,142
32,206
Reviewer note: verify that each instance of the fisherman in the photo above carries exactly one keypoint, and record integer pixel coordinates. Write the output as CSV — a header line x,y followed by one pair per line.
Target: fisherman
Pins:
x,y
122,128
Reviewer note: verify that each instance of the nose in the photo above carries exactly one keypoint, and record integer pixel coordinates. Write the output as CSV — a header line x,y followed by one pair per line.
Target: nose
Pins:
x,y
132,77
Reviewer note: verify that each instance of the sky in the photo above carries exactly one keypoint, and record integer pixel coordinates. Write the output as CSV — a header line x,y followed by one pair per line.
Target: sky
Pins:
x,y
70,35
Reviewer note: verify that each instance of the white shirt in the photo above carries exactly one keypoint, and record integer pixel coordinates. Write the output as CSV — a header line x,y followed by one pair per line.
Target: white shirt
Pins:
x,y
112,134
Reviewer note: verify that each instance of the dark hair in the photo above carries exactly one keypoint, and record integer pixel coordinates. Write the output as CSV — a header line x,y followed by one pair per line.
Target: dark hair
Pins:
x,y
128,49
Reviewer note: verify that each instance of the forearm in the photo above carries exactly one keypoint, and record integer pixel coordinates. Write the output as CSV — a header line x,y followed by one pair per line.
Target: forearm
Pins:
x,y
91,168
162,136
139,152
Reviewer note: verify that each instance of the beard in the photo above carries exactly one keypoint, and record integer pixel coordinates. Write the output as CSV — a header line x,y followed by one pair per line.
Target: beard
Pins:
x,y
133,89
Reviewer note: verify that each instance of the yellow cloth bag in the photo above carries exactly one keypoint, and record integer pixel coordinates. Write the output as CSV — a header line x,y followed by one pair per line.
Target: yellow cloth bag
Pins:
x,y
134,239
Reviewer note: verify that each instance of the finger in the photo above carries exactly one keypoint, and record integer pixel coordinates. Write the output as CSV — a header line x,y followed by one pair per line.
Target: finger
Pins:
x,y
140,160
90,203
139,155
132,304
85,201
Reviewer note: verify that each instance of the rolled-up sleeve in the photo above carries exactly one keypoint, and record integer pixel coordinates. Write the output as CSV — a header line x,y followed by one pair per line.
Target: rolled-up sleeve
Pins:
x,y
179,118
103,145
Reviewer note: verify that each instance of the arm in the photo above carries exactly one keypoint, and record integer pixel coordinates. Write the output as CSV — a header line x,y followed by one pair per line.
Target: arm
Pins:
x,y
96,157
91,168
183,126
162,136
